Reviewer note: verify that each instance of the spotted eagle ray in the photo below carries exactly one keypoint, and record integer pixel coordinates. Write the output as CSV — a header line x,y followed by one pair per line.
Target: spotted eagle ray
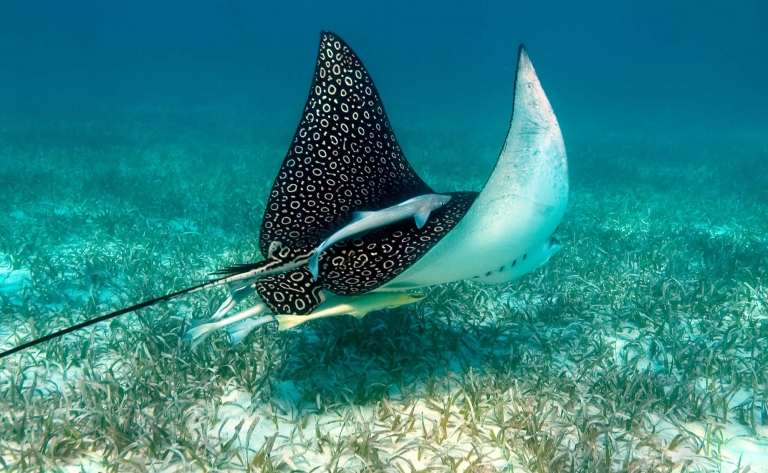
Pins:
x,y
344,158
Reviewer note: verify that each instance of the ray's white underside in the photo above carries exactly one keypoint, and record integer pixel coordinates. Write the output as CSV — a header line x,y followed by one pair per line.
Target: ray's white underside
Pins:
x,y
519,208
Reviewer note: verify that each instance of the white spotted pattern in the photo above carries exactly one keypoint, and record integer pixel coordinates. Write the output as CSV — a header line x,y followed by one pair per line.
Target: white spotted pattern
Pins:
x,y
295,292
344,158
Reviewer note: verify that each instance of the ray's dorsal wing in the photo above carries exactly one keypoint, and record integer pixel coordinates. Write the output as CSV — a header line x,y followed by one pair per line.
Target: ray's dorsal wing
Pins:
x,y
344,157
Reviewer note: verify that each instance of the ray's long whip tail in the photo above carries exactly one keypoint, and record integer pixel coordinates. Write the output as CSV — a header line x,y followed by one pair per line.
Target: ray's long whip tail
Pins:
x,y
261,270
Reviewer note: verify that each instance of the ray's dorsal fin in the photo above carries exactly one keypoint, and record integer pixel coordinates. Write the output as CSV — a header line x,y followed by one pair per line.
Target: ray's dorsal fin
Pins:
x,y
344,156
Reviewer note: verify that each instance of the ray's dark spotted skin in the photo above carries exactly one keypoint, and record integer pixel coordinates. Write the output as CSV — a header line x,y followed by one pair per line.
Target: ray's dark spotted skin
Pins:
x,y
295,292
343,158
370,261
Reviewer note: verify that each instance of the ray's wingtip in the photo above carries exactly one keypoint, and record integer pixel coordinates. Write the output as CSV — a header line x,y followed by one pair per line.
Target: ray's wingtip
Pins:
x,y
524,65
330,35
522,56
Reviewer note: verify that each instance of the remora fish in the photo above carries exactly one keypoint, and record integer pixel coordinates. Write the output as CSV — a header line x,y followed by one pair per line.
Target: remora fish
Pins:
x,y
356,306
418,207
241,324
238,331
201,331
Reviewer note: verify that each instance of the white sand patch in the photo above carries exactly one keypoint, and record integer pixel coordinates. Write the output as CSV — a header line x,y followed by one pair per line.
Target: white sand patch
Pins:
x,y
305,437
714,230
728,447
14,281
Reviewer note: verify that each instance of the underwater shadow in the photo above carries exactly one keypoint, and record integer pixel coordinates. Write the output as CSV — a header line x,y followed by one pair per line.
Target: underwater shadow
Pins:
x,y
396,354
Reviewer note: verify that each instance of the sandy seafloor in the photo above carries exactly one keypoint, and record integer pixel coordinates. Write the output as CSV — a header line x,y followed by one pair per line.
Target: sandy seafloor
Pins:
x,y
641,346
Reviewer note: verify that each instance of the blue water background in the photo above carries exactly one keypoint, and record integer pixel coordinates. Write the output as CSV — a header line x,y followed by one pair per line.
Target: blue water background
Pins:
x,y
625,63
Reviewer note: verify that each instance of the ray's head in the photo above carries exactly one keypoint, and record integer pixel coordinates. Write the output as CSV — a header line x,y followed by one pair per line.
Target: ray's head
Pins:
x,y
435,201
442,199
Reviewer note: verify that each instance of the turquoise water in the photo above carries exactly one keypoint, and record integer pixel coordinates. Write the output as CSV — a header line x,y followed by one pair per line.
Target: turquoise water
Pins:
x,y
138,144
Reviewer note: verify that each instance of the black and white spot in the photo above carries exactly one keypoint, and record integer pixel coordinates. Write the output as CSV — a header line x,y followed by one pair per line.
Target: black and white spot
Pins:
x,y
295,292
344,156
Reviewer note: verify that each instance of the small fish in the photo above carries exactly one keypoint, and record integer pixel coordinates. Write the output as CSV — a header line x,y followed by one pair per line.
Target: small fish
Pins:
x,y
200,332
238,331
356,306
236,296
418,207
241,324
